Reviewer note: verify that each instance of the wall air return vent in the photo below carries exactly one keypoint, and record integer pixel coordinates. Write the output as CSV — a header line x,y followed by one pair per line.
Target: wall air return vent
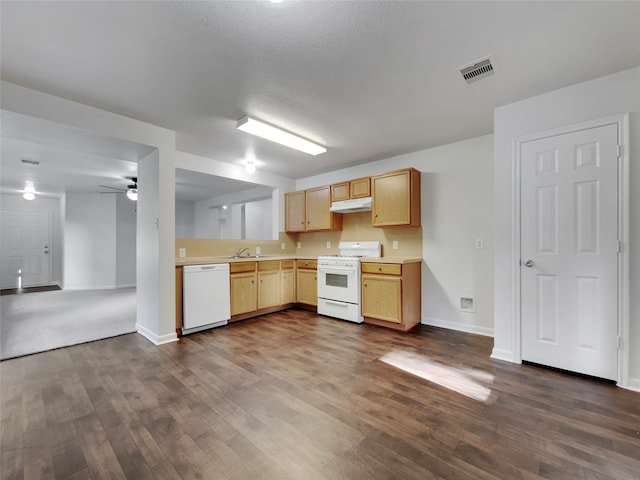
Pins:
x,y
477,71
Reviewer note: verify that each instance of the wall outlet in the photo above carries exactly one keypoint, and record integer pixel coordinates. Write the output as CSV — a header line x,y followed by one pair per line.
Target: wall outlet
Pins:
x,y
283,246
299,245
479,243
257,250
468,304
394,245
328,243
182,252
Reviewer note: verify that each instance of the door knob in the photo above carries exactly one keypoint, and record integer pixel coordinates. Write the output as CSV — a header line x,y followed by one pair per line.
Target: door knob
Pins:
x,y
529,263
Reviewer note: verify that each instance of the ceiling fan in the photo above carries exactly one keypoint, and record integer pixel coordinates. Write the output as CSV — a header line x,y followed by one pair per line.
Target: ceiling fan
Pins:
x,y
131,190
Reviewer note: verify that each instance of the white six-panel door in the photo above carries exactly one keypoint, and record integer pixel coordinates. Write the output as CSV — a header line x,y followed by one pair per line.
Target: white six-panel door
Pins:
x,y
569,248
24,249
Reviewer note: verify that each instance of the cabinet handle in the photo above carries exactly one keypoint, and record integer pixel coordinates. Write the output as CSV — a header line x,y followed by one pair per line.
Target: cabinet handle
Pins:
x,y
379,269
365,284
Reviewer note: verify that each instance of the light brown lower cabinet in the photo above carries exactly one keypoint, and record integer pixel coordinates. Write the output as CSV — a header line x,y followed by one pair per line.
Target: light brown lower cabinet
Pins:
x,y
307,282
268,284
288,275
244,287
391,294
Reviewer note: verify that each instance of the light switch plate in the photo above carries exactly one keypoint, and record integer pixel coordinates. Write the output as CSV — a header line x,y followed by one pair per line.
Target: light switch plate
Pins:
x,y
283,246
182,252
328,243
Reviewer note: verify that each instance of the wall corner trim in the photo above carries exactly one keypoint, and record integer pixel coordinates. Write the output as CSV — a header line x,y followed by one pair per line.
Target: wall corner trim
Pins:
x,y
504,355
156,339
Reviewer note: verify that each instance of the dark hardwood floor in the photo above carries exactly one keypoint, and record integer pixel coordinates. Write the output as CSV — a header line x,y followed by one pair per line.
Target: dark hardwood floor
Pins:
x,y
296,396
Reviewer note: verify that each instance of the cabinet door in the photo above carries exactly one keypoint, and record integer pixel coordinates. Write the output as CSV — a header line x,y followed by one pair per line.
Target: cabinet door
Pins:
x,y
360,188
268,288
318,204
340,192
382,297
391,199
288,287
295,211
244,293
307,287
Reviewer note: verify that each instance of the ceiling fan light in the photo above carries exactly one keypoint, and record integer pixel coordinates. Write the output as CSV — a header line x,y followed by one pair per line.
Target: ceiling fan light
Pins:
x,y
132,194
28,195
274,134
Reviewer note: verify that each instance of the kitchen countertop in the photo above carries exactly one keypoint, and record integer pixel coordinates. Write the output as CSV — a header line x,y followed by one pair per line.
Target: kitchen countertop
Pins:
x,y
207,260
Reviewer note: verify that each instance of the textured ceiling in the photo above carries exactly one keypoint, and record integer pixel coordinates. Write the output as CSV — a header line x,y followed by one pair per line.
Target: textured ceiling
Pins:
x,y
366,79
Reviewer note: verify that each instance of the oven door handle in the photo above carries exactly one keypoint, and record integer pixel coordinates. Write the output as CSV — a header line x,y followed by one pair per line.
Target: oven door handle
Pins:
x,y
336,271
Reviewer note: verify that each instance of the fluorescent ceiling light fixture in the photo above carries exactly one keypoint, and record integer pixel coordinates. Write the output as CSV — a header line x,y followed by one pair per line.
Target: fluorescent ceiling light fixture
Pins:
x,y
28,195
264,130
132,194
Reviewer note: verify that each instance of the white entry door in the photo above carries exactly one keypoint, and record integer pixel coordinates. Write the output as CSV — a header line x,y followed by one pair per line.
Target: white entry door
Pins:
x,y
569,249
24,249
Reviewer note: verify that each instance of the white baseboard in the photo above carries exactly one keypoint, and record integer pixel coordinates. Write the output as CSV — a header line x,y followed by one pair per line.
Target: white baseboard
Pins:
x,y
504,355
156,339
634,384
461,327
126,285
99,287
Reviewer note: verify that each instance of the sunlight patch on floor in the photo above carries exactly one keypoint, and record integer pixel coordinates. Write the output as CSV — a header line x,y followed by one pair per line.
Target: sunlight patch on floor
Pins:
x,y
465,381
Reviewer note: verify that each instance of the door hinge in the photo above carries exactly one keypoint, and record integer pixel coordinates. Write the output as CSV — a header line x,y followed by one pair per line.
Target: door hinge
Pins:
x,y
619,246
619,151
619,342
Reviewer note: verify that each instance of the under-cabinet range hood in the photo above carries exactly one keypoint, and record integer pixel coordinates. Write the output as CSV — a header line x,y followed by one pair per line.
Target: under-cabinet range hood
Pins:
x,y
351,206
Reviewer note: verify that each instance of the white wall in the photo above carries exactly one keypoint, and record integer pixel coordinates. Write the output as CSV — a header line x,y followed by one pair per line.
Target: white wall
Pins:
x,y
600,98
125,242
53,207
90,241
258,219
457,208
185,219
208,214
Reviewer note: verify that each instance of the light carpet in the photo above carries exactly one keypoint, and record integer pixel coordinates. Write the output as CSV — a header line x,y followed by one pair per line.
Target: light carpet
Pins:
x,y
36,322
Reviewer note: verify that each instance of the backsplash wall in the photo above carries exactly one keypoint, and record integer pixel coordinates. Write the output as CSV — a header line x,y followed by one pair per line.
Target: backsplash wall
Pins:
x,y
356,228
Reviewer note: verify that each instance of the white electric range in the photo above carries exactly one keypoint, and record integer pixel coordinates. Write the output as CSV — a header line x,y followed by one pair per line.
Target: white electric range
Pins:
x,y
339,280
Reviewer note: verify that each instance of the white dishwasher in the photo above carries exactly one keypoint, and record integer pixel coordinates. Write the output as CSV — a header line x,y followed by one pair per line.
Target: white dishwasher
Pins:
x,y
206,301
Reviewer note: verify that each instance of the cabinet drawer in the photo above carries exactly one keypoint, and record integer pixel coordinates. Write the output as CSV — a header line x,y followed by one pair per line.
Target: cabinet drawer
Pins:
x,y
239,267
311,264
382,268
286,264
269,265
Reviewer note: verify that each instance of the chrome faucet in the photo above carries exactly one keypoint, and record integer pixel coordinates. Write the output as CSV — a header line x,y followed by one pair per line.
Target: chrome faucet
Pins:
x,y
240,251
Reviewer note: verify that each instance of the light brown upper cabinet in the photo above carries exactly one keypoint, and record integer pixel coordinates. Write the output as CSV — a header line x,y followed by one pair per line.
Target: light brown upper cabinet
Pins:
x,y
396,199
308,211
295,207
359,188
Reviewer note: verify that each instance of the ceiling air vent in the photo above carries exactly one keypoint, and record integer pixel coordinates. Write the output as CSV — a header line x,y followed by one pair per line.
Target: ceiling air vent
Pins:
x,y
477,71
30,162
